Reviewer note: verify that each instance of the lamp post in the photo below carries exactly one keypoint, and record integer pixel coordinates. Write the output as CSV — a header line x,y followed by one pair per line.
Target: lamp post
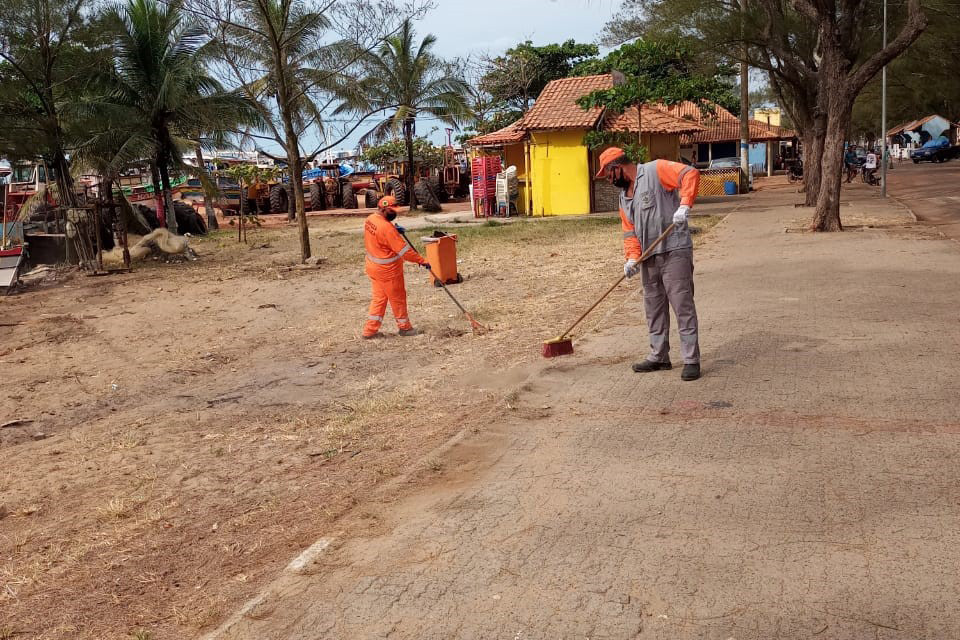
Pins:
x,y
883,112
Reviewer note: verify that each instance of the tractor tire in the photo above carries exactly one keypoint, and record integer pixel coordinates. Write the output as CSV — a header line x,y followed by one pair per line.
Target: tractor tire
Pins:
x,y
349,196
371,198
278,199
439,190
317,198
397,189
331,190
188,220
426,199
143,220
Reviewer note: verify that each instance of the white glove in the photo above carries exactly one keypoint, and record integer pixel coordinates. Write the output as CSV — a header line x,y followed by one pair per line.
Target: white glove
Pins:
x,y
681,215
629,268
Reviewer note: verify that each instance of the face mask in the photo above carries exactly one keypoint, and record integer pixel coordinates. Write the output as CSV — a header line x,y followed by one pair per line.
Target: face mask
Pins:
x,y
391,216
621,181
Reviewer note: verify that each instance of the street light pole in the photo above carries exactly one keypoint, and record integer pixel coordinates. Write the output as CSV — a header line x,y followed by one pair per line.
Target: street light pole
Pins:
x,y
745,100
883,112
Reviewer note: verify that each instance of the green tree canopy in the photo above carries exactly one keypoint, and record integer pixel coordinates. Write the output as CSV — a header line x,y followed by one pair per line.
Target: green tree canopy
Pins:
x,y
520,74
658,71
424,152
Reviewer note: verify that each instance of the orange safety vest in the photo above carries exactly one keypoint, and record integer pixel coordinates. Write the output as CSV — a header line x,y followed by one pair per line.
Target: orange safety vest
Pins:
x,y
386,248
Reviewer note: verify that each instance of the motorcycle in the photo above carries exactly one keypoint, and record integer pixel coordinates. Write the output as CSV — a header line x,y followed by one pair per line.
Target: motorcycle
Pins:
x,y
795,171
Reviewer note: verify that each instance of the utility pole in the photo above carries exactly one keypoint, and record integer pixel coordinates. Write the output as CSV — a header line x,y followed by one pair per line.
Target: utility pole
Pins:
x,y
744,98
883,113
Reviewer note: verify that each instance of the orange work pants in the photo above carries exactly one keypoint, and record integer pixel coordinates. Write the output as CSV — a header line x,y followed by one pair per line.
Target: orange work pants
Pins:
x,y
394,291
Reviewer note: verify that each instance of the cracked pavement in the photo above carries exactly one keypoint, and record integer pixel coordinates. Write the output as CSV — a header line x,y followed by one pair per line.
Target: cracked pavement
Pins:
x,y
806,486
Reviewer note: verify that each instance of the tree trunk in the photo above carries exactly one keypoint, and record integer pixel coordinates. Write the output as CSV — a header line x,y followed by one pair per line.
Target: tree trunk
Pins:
x,y
813,158
296,170
64,181
827,216
296,181
168,199
207,205
158,195
120,223
408,139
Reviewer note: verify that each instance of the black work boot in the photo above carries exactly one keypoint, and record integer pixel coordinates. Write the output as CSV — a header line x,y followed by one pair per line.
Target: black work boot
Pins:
x,y
649,365
690,372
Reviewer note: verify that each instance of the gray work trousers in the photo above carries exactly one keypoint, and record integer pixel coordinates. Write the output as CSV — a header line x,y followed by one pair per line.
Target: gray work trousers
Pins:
x,y
668,277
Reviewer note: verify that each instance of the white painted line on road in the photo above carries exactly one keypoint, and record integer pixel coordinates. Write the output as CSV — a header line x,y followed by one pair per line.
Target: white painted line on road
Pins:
x,y
302,561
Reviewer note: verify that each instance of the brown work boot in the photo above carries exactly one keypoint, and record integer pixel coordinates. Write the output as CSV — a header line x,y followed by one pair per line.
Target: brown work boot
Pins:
x,y
371,336
649,365
690,371
412,331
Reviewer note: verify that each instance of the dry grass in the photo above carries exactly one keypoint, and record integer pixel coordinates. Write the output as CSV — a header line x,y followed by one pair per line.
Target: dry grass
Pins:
x,y
175,485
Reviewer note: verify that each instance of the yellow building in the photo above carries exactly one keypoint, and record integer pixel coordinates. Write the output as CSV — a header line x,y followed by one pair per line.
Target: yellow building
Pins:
x,y
554,167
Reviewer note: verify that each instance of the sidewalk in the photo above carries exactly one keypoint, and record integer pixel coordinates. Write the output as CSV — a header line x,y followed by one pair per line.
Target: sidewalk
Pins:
x,y
806,486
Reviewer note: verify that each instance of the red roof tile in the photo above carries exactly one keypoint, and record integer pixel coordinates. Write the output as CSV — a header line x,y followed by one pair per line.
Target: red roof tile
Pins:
x,y
510,134
655,120
691,111
557,107
725,130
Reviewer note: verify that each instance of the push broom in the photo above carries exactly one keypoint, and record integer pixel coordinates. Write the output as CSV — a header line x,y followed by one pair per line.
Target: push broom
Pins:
x,y
563,345
476,326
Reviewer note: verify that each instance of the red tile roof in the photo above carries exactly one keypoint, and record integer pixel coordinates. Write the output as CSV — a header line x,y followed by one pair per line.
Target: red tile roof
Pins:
x,y
691,111
511,134
655,120
726,130
557,107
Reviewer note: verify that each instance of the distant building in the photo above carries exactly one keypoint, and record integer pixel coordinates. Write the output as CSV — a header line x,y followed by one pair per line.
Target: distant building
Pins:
x,y
555,168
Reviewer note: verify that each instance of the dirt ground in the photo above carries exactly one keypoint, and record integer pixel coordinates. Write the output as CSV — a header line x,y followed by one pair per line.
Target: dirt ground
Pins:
x,y
170,438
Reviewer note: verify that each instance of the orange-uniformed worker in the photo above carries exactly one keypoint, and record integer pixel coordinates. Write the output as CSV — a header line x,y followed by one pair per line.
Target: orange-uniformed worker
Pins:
x,y
654,195
386,251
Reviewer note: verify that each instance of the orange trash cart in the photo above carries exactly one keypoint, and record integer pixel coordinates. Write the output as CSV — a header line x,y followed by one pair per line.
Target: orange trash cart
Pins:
x,y
442,256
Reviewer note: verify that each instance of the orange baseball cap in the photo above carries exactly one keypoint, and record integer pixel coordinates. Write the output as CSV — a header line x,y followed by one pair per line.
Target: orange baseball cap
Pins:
x,y
608,157
388,202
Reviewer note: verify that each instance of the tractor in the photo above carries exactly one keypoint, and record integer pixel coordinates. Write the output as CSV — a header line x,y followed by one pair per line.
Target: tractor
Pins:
x,y
326,186
393,181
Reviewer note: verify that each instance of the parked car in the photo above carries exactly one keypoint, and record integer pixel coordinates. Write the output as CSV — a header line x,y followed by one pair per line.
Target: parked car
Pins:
x,y
730,163
724,163
936,150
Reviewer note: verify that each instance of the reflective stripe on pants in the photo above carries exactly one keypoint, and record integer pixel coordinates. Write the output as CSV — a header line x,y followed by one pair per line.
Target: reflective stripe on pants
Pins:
x,y
668,280
394,291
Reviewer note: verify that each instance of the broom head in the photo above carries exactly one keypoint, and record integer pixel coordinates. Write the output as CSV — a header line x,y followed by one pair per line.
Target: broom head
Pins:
x,y
559,346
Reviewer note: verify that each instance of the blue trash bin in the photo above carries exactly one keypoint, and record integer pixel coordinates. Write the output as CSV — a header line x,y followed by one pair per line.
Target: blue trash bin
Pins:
x,y
730,187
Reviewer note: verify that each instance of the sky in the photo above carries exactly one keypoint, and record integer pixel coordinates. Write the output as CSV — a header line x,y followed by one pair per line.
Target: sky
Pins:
x,y
463,27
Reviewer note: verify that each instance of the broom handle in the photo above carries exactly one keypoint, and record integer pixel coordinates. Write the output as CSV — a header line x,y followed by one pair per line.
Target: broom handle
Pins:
x,y
643,257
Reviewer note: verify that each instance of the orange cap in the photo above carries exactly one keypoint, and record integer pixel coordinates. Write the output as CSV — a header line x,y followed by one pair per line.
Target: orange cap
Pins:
x,y
608,157
387,202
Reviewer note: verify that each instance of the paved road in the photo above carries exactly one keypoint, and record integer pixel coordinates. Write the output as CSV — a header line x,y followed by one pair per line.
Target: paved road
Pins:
x,y
806,487
932,191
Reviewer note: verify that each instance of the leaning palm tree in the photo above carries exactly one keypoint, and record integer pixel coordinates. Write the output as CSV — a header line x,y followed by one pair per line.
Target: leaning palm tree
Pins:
x,y
161,81
405,80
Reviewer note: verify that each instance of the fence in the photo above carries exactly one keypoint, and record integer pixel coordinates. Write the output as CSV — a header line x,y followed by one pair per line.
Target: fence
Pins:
x,y
713,182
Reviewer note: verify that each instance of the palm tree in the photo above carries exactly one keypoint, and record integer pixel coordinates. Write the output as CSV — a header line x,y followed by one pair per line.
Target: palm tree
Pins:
x,y
279,55
161,81
407,80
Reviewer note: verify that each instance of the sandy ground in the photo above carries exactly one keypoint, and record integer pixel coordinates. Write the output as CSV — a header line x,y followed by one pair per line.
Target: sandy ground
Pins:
x,y
170,438
805,487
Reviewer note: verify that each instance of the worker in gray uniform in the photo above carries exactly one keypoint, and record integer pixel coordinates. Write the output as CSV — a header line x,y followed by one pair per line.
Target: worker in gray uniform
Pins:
x,y
654,195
